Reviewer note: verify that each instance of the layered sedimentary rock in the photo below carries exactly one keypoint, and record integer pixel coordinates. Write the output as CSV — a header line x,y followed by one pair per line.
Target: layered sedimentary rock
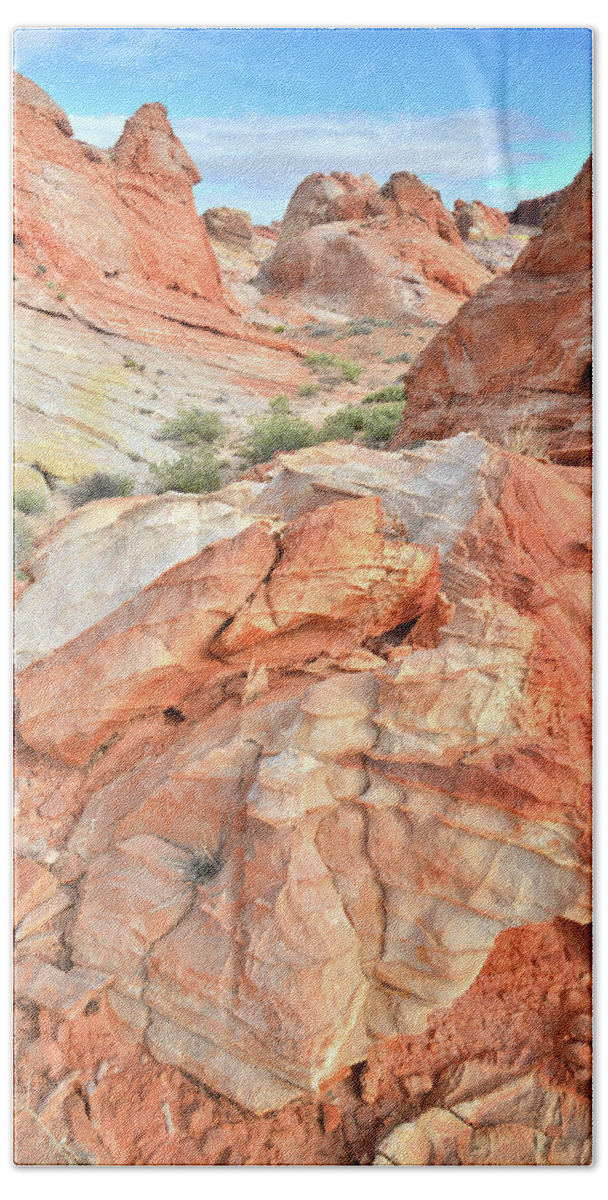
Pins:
x,y
279,800
478,220
534,212
349,247
114,234
515,362
231,226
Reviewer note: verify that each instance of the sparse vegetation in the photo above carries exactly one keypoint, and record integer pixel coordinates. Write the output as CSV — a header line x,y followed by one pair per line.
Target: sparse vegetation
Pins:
x,y
30,502
22,539
278,329
406,358
318,330
100,486
132,365
349,370
193,427
361,327
309,389
376,423
192,473
392,394
280,430
61,296
41,269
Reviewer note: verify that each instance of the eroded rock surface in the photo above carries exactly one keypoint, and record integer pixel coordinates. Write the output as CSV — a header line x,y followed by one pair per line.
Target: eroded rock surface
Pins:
x,y
279,800
349,247
114,234
515,362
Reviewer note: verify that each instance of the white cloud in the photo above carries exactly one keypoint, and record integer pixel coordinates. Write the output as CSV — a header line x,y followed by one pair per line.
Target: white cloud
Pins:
x,y
269,155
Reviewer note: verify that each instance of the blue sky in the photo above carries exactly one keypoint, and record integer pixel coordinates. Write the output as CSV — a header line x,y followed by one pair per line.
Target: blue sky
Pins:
x,y
494,114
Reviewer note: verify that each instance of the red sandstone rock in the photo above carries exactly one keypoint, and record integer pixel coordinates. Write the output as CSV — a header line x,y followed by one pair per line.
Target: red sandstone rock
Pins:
x,y
515,362
349,247
116,231
231,226
276,879
477,220
533,213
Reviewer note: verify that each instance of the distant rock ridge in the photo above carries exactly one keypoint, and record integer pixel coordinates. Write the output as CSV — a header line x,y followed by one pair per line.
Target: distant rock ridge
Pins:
x,y
476,219
115,233
350,247
515,362
231,226
534,212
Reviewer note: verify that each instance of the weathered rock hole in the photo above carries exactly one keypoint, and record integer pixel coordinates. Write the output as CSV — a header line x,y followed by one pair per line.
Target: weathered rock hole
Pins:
x,y
173,716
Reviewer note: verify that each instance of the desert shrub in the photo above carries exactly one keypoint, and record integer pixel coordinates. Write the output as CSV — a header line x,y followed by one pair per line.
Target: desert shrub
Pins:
x,y
278,329
350,371
22,539
279,430
407,358
375,423
309,389
193,473
363,325
342,424
280,404
392,394
99,486
381,422
314,331
193,427
132,365
30,502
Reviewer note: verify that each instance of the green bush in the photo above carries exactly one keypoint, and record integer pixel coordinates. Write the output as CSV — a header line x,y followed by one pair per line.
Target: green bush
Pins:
x,y
377,423
350,371
381,422
277,431
192,473
392,394
280,404
99,486
278,329
193,427
342,424
363,325
309,389
407,358
29,502
22,539
315,331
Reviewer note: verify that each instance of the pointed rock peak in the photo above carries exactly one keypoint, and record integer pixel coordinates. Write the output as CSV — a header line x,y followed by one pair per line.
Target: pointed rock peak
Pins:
x,y
28,93
148,144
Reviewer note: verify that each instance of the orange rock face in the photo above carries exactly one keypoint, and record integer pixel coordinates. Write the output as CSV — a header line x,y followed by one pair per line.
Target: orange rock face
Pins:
x,y
478,220
318,785
116,231
515,362
350,247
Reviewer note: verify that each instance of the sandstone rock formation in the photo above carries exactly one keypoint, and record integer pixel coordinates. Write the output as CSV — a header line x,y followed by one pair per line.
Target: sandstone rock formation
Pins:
x,y
515,362
281,795
349,247
115,233
476,219
229,225
488,235
534,212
